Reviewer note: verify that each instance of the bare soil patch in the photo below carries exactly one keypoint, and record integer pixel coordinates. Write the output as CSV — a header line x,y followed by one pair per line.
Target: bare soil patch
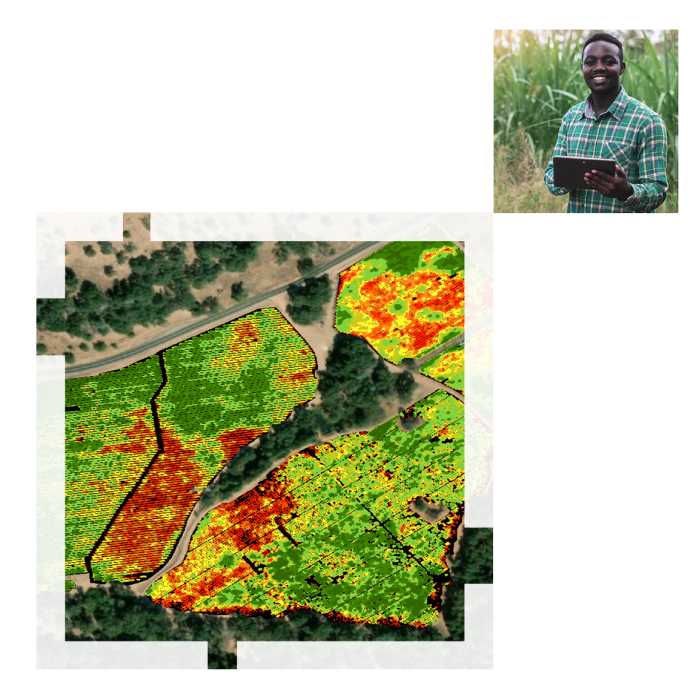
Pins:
x,y
431,513
262,274
439,624
82,582
92,268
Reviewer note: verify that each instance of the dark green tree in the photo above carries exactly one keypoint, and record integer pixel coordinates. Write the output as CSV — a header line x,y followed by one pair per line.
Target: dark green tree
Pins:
x,y
221,659
174,250
196,309
233,256
210,305
161,265
144,270
382,379
179,291
472,564
305,266
89,298
89,251
351,385
349,357
51,314
308,299
405,386
202,271
325,248
206,250
238,292
284,249
410,364
281,254
71,280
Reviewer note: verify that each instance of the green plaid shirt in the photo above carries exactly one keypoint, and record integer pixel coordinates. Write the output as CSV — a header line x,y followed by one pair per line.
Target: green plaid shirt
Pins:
x,y
630,133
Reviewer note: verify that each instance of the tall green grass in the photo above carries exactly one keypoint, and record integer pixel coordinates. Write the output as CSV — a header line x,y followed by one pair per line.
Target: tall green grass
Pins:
x,y
537,78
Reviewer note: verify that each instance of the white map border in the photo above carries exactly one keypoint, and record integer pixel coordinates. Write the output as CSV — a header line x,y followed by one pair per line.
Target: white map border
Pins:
x,y
475,230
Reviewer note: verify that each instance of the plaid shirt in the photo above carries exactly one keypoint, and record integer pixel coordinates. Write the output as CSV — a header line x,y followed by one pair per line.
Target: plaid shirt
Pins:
x,y
630,133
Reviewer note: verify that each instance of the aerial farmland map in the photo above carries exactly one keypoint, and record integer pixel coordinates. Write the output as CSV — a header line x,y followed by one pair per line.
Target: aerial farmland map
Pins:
x,y
268,440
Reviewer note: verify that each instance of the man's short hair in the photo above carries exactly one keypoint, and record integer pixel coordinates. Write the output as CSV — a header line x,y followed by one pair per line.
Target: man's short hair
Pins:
x,y
600,36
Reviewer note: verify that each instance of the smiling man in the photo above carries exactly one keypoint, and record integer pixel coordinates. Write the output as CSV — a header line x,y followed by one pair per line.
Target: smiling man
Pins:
x,y
611,124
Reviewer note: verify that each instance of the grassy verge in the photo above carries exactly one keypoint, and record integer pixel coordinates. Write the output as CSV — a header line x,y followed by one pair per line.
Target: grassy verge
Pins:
x,y
519,182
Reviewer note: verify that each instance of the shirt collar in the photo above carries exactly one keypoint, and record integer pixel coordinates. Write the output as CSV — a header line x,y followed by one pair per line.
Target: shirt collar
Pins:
x,y
616,109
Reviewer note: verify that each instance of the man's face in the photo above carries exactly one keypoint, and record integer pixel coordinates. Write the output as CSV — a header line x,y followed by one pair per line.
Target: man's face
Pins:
x,y
602,68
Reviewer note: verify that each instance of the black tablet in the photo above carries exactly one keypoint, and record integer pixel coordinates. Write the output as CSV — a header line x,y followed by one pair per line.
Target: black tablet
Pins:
x,y
569,171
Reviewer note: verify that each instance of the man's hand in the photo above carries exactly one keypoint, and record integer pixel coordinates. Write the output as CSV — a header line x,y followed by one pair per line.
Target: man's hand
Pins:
x,y
610,185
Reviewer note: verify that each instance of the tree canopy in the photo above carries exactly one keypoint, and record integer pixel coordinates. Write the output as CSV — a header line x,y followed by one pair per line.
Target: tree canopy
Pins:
x,y
284,249
113,613
157,286
308,299
305,266
352,384
238,292
405,386
473,564
71,280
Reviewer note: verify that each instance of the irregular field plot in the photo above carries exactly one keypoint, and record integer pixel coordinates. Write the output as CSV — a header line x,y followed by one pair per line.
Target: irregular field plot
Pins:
x,y
405,299
447,367
211,395
110,441
331,529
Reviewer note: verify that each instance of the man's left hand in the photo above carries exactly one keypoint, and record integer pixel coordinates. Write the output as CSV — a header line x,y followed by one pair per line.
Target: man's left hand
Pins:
x,y
610,185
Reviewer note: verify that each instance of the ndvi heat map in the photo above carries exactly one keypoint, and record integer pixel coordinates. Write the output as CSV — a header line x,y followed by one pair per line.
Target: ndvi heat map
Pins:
x,y
333,528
